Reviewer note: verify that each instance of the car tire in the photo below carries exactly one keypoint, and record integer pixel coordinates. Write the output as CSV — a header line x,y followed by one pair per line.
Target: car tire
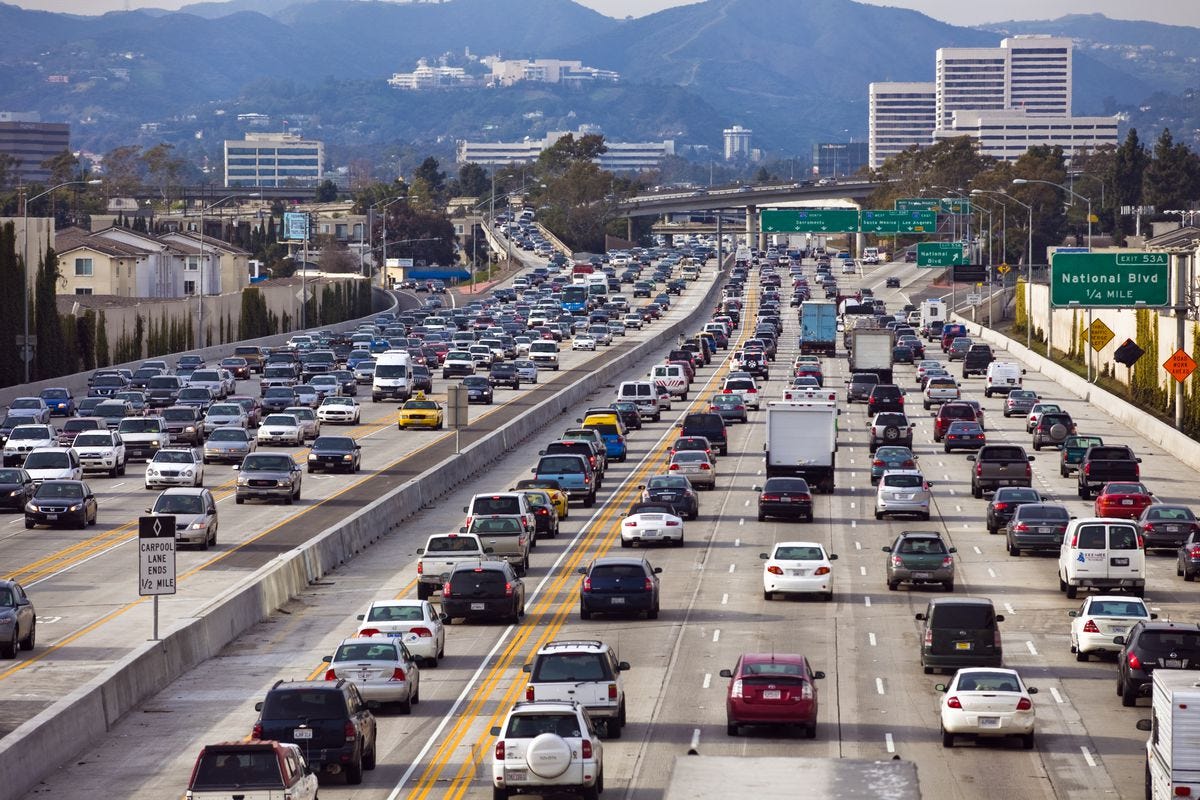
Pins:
x,y
1027,741
732,729
768,596
584,612
354,772
9,648
1013,550
29,641
1072,592
625,543
977,492
878,515
893,585
1128,695
1079,654
948,586
612,728
369,759
810,731
652,613
404,707
424,591
1189,576
947,738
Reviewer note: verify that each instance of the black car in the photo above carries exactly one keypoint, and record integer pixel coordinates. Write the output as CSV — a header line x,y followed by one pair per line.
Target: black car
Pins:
x,y
422,378
619,584
629,414
785,497
488,590
1152,645
479,389
892,283
11,421
674,490
885,397
348,382
334,454
1004,503
505,373
16,487
62,502
960,632
902,354
1037,526
977,359
329,720
860,386
277,398
709,425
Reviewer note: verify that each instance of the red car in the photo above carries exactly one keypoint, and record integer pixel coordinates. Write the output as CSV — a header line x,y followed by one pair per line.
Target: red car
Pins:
x,y
771,689
1124,500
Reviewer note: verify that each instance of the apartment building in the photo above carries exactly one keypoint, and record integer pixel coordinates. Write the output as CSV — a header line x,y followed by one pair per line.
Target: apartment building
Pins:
x,y
902,115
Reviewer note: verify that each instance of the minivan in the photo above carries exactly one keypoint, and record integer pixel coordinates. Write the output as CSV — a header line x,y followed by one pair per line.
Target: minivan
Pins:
x,y
1002,377
960,632
709,425
1101,553
643,394
500,504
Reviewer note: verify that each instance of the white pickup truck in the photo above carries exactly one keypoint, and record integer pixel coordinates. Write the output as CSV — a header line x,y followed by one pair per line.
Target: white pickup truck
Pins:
x,y
440,555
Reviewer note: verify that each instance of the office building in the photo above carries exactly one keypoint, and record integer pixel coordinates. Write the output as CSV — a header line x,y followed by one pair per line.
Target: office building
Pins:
x,y
30,143
1039,74
902,115
274,159
621,156
970,79
737,142
1008,134
837,159
545,70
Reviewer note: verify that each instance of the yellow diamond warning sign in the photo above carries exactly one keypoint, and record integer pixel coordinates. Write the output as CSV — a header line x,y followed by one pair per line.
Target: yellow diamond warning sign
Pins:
x,y
1099,335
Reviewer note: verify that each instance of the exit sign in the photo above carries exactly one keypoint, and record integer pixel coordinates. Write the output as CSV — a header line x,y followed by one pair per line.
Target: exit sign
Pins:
x,y
1110,280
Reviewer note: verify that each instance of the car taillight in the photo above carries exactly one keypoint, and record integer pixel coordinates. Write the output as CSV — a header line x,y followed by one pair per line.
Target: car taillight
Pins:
x,y
1090,627
350,732
424,633
1194,551
877,463
1028,470
909,463
420,568
953,702
1087,469
445,590
1021,526
508,589
770,498
649,585
1024,704
330,675
674,466
999,506
774,570
736,690
1141,542
673,523
979,470
499,749
397,674
705,466
713,408
948,561
257,731
1134,661
806,691
1148,527
585,748
612,691
629,523
369,632
727,391
996,641
821,571
587,584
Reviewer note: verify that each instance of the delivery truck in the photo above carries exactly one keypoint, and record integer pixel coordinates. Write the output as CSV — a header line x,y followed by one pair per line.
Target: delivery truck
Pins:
x,y
802,441
818,327
1173,749
871,351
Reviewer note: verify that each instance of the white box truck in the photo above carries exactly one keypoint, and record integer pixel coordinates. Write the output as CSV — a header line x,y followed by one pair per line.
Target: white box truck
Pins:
x,y
1173,749
802,441
933,310
871,351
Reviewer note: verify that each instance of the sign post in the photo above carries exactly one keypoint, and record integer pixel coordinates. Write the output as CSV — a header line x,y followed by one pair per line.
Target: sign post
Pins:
x,y
457,414
156,559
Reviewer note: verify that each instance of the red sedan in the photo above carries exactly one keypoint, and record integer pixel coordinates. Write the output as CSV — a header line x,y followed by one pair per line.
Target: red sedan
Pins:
x,y
771,689
1125,500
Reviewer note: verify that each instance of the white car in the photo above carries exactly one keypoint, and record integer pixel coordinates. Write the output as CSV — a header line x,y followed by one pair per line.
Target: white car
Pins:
x,y
380,667
798,568
545,747
583,341
652,524
415,622
903,491
101,451
940,390
339,410
280,429
53,464
1102,617
1035,414
527,370
24,439
481,355
175,466
632,321
987,702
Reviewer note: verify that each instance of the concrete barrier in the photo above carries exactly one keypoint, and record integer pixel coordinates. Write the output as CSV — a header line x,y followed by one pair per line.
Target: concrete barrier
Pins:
x,y
1178,444
56,735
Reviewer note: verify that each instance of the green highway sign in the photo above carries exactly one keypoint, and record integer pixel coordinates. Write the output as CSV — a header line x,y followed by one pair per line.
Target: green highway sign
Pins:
x,y
898,221
1109,280
919,204
809,220
941,254
956,205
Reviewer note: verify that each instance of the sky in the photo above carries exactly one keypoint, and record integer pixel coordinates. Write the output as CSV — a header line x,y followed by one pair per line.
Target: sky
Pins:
x,y
958,12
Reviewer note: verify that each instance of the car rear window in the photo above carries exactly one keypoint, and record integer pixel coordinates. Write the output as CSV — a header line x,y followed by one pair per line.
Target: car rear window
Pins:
x,y
963,615
226,769
485,581
571,667
496,504
1047,513
529,726
304,704
1002,454
955,411
617,571
560,464
1165,642
1108,453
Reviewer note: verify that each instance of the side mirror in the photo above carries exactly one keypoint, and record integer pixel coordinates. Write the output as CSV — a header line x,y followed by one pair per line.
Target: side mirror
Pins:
x,y
623,666
495,730
582,570
1072,613
953,549
919,616
1138,460
1031,690
149,510
527,668
970,458
763,556
420,552
999,618
360,617
658,570
1144,725
462,529
258,706
1029,457
833,556
237,466
886,549
1154,616
327,659
726,673
940,687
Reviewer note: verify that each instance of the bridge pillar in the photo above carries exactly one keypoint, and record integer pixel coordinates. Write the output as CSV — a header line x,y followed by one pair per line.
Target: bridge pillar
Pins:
x,y
751,224
629,228
859,242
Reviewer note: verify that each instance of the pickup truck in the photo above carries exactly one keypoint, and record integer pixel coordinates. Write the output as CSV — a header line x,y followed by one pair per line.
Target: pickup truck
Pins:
x,y
440,554
1073,448
1102,464
999,465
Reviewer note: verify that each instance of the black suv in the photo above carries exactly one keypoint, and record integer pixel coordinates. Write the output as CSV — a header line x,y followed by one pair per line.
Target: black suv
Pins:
x,y
1150,646
960,632
505,373
885,397
329,720
710,426
489,590
619,584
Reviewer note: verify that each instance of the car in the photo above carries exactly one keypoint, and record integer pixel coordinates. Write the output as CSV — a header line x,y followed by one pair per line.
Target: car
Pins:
x,y
891,457
890,428
772,688
1123,499
1019,402
920,557
420,412
958,348
34,409
1035,413
987,702
956,411
1052,429
416,623
380,667
479,389
237,366
16,487
785,497
696,466
584,670
798,568
885,397
526,370
1100,619
630,414
331,721
652,522
619,584
940,390
674,490
59,401
963,435
195,513
175,466
221,415
339,410
280,429
487,590
1151,645
583,341
24,439
1036,526
62,502
268,476
960,632
1004,503
731,407
228,445
892,282
335,454
743,386
504,373
274,769
903,491
18,619
53,463
546,746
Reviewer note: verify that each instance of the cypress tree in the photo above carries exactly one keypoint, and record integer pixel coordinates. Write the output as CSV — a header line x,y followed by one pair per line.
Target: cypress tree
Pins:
x,y
12,276
102,354
85,339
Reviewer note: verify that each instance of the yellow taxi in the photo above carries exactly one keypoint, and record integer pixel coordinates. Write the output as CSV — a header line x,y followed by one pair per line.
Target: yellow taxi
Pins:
x,y
420,412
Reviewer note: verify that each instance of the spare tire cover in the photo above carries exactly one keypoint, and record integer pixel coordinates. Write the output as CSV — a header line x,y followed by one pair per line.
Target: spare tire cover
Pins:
x,y
548,755
1058,432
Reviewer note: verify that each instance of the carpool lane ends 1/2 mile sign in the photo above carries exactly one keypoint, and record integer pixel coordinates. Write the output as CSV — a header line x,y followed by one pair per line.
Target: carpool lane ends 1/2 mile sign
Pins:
x,y
1110,280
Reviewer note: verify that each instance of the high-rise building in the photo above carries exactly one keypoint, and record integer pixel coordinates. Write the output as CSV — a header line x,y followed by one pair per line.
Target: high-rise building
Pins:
x,y
838,159
737,142
274,159
1008,134
32,143
901,115
620,156
1039,74
970,79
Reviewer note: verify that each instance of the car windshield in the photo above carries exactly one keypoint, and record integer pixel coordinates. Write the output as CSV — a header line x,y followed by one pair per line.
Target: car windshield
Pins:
x,y
59,489
1170,513
902,481
366,651
26,402
570,668
228,435
964,427
276,392
1117,608
47,460
267,463
1124,488
224,411
799,553
340,444
425,405
179,504
97,439
1029,513
173,457
140,426
559,464
893,454
54,394
28,433
963,615
10,476
286,420
689,457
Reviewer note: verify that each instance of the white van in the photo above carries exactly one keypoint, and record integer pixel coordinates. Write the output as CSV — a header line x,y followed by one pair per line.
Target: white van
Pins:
x,y
643,394
544,353
393,377
673,377
1003,377
1101,553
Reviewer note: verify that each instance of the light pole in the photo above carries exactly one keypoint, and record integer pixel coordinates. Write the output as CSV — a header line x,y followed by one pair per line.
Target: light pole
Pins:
x,y
1028,266
386,203
26,351
1070,191
201,339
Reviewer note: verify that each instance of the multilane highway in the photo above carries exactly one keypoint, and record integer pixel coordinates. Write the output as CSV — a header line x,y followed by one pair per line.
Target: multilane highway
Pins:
x,y
875,703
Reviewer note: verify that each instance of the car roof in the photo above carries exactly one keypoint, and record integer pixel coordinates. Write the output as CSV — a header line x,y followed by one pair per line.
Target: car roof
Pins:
x,y
799,544
767,658
961,601
573,644
606,560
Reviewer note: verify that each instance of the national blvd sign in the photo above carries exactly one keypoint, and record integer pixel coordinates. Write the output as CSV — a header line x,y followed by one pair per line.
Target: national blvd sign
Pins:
x,y
1109,280
941,254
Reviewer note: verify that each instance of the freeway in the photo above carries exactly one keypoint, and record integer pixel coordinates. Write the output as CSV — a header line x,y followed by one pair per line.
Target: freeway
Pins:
x,y
875,703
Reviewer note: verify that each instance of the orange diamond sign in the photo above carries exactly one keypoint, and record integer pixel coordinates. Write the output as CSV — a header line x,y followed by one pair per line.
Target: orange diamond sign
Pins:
x,y
1180,365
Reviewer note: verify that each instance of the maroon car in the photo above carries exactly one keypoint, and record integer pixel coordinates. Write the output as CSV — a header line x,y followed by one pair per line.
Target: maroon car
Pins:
x,y
771,689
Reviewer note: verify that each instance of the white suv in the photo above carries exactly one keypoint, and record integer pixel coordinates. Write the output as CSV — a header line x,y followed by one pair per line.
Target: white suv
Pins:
x,y
586,671
547,746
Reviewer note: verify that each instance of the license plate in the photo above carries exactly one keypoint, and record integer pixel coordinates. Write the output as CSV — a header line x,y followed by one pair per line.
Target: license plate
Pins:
x,y
1172,528
772,694
478,606
963,645
617,601
922,576
52,516
785,498
989,722
1126,502
1045,530
1119,629
1172,663
798,572
516,775
1119,562
302,733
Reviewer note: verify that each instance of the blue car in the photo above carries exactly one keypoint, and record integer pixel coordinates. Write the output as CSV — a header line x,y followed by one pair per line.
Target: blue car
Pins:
x,y
890,457
59,401
574,474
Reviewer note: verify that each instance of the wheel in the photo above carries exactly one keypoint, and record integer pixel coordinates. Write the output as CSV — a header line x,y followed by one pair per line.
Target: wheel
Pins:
x,y
584,613
732,728
878,515
947,738
625,543
239,500
612,728
928,670
406,706
28,642
1013,550
948,586
768,595
369,759
83,521
977,492
1072,592
893,585
499,794
828,597
652,613
291,498
1189,576
1128,695
112,473
1037,445
761,517
9,648
810,731
590,501
354,772
124,464
1080,655
1027,741
991,530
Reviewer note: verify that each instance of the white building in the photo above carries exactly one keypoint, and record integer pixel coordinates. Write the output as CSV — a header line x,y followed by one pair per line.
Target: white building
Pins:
x,y
970,79
274,159
427,77
901,115
1039,74
1008,134
621,156
737,142
544,70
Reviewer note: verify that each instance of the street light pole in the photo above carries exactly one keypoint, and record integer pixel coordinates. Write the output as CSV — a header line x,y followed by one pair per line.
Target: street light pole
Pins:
x,y
1028,268
201,339
26,350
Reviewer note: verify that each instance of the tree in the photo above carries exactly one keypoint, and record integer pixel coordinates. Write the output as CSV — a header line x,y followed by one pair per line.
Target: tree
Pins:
x,y
1172,178
63,167
762,176
335,257
12,371
1129,168
164,169
85,339
1049,218
327,192
123,170
558,157
102,353
473,180
430,173
8,170
48,353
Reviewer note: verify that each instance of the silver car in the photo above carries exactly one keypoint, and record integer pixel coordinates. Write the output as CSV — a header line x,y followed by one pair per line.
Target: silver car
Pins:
x,y
696,466
195,513
902,491
310,426
268,476
381,667
527,370
228,445
224,415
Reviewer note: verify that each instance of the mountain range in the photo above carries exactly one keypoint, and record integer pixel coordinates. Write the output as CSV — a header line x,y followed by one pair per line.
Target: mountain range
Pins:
x,y
795,72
